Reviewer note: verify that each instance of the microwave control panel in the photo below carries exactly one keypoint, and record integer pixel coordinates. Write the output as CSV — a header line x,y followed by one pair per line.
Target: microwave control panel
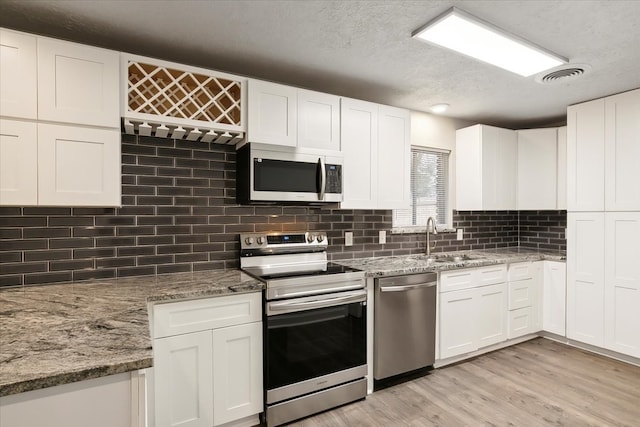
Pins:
x,y
334,178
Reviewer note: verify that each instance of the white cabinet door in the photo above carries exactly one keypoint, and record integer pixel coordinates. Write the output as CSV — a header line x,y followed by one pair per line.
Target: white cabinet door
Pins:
x,y
98,402
458,318
585,277
237,372
394,151
272,115
359,136
506,177
585,156
78,166
318,120
18,75
184,380
622,278
18,163
537,168
78,84
554,297
562,168
622,156
491,314
486,168
521,322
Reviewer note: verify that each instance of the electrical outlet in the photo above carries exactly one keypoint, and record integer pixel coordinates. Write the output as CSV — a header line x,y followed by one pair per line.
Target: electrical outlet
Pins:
x,y
460,234
348,238
382,237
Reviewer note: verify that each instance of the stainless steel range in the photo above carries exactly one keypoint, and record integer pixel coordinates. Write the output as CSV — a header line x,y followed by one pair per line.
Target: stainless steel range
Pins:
x,y
314,324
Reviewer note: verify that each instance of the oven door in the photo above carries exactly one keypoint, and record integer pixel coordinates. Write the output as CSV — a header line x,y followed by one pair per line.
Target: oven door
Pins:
x,y
313,343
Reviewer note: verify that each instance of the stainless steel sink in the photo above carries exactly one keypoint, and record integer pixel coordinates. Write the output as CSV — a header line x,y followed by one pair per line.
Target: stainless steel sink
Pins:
x,y
456,258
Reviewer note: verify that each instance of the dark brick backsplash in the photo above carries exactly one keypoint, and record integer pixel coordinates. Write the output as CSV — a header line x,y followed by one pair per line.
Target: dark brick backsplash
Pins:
x,y
179,214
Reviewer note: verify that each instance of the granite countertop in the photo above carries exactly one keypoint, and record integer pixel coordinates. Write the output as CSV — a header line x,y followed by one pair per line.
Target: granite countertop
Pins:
x,y
57,334
408,264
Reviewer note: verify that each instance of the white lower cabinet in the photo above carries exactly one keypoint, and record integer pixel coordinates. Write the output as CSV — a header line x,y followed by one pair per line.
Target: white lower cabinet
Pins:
x,y
184,380
554,298
622,283
457,317
491,320
237,372
100,402
213,376
475,317
524,301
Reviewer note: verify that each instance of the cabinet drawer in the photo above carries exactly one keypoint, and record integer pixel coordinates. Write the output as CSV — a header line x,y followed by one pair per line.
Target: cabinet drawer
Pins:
x,y
521,294
520,271
456,280
491,275
203,314
520,322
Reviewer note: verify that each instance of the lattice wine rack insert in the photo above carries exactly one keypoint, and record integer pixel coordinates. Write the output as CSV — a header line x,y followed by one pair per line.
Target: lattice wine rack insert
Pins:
x,y
183,95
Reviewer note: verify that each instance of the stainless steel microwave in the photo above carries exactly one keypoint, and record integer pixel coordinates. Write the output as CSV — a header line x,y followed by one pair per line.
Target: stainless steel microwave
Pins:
x,y
267,175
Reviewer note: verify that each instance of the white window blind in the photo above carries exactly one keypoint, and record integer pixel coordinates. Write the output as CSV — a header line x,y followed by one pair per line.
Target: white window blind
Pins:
x,y
429,190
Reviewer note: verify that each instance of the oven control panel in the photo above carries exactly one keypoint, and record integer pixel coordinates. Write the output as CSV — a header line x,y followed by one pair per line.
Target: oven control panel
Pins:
x,y
309,241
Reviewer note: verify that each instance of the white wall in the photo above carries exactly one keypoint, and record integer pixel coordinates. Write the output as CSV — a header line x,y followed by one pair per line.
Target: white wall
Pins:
x,y
430,130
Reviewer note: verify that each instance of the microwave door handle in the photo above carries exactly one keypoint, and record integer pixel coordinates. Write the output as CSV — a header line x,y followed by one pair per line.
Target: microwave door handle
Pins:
x,y
323,179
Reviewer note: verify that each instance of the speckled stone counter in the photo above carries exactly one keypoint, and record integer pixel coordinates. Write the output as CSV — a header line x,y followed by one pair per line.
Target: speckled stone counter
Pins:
x,y
408,264
57,334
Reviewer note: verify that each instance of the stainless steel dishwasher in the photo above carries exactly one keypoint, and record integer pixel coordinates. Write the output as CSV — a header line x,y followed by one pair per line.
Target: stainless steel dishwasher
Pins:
x,y
404,324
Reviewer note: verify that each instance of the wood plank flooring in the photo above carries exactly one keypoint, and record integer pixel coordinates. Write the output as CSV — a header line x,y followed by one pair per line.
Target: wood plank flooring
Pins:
x,y
536,383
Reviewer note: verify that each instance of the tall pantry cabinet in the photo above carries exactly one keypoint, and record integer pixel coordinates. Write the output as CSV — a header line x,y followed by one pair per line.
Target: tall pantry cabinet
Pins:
x,y
603,265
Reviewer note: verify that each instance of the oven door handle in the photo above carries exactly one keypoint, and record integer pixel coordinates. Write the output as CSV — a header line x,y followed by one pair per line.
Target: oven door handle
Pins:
x,y
291,306
407,287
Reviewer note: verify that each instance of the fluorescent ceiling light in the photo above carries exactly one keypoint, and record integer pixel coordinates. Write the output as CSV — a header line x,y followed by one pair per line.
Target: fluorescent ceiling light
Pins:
x,y
466,34
439,108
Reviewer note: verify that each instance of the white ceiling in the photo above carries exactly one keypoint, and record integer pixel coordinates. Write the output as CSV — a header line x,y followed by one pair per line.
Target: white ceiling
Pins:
x,y
364,49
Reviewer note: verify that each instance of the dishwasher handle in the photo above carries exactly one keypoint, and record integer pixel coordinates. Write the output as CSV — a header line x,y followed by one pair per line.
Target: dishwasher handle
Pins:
x,y
407,287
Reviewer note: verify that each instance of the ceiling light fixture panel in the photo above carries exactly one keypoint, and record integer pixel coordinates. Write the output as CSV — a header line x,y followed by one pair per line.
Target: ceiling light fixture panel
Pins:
x,y
466,34
439,108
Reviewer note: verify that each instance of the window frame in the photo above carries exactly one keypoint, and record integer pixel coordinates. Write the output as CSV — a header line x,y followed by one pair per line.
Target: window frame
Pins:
x,y
447,208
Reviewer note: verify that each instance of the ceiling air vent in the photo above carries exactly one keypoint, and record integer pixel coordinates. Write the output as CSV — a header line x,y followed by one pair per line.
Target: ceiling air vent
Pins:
x,y
563,74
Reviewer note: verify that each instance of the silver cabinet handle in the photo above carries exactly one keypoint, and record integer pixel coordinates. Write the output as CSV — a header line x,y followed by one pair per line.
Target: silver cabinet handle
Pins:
x,y
406,287
323,179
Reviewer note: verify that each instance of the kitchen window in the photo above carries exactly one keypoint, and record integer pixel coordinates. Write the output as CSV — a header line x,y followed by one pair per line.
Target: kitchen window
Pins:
x,y
429,191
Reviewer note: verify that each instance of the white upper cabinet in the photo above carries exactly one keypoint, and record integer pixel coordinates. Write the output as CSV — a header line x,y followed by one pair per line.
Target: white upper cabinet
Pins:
x,y
394,147
622,151
287,116
585,277
318,120
486,159
78,166
18,163
78,84
537,169
585,156
273,112
562,169
18,75
359,132
376,145
622,282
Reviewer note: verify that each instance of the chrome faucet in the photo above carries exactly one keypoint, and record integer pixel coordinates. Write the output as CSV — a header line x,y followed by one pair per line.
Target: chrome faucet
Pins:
x,y
432,222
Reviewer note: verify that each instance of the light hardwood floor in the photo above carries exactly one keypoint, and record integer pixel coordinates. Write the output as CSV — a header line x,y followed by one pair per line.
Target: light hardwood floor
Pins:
x,y
536,383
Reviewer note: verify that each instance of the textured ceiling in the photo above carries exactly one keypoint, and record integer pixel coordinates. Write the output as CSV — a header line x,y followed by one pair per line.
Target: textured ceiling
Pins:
x,y
363,49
